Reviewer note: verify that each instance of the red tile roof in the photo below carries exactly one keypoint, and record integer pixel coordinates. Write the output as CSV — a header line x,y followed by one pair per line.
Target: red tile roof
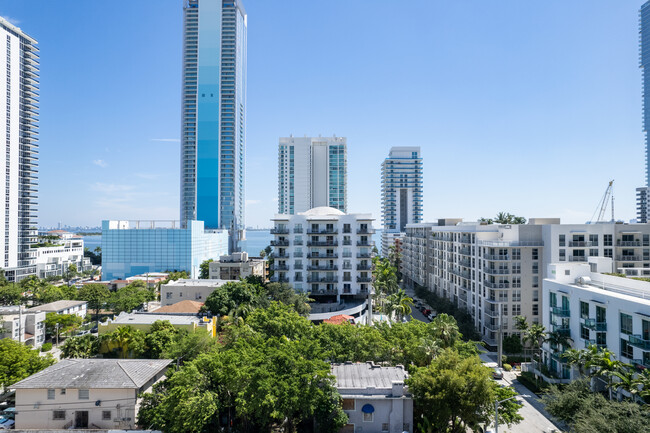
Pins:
x,y
339,319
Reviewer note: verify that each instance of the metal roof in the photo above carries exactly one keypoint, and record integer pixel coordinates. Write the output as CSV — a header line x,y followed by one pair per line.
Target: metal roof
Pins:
x,y
95,374
57,305
367,375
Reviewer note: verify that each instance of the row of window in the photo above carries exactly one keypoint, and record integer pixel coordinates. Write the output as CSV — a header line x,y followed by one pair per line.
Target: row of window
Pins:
x,y
82,394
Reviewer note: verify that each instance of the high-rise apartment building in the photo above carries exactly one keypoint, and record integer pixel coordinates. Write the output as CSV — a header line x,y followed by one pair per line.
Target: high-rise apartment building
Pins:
x,y
401,193
213,133
19,111
312,172
643,193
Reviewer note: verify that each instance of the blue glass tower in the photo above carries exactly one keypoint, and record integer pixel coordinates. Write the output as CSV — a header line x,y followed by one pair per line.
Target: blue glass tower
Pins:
x,y
643,193
214,115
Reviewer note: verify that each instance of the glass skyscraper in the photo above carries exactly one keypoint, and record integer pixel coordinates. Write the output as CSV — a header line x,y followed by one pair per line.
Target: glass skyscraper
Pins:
x,y
643,193
213,137
19,61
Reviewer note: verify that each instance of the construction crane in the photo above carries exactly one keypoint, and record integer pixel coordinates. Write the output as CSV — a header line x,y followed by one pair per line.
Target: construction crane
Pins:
x,y
602,204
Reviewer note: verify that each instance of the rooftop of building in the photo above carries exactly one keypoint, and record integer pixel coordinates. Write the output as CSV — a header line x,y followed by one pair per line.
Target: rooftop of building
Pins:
x,y
95,374
186,306
324,213
189,282
125,318
339,319
57,305
11,309
363,375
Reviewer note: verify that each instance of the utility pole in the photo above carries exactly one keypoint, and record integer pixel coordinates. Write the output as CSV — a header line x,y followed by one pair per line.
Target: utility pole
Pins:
x,y
21,335
57,333
496,412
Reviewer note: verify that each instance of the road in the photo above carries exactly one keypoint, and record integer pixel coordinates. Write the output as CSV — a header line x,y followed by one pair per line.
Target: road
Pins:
x,y
536,419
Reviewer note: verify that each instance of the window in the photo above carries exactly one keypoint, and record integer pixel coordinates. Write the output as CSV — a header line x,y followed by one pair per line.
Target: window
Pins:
x,y
50,394
594,240
535,295
626,349
584,310
63,391
516,309
607,240
567,272
562,240
584,332
535,309
535,268
106,415
348,404
535,253
58,414
516,268
563,255
626,324
516,296
83,394
593,252
607,252
385,427
367,417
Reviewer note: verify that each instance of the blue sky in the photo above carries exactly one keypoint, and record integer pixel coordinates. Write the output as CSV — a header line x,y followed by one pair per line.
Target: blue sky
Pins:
x,y
523,106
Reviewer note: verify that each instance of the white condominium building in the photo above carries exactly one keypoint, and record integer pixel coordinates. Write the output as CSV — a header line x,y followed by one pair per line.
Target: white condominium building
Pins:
x,y
495,271
401,193
19,113
312,172
22,325
591,308
324,252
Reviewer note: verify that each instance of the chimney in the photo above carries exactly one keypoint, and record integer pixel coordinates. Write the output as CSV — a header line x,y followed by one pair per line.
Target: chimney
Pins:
x,y
398,388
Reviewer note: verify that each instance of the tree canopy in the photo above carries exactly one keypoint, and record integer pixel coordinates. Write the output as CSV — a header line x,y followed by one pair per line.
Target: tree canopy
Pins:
x,y
18,361
504,218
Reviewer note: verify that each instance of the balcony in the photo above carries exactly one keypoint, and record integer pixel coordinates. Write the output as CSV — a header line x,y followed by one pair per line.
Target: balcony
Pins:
x,y
364,279
297,266
331,243
639,341
313,279
497,257
364,267
582,244
577,258
641,364
628,243
297,230
364,243
503,285
323,292
465,251
561,329
557,311
495,271
280,243
322,268
279,267
280,255
331,231
628,258
365,231
277,279
280,231
592,324
364,255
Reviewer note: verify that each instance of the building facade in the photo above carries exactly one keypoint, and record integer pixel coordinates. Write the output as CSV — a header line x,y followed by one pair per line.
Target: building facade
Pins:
x,y
55,260
22,325
19,113
495,271
187,289
213,131
591,308
643,212
236,266
137,247
642,201
324,252
312,172
80,308
401,193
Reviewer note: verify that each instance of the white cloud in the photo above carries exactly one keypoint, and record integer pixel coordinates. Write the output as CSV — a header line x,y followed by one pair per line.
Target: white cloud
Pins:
x,y
167,140
251,202
100,162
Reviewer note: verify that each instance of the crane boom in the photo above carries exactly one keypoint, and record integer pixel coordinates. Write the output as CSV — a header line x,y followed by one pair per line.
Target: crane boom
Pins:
x,y
602,204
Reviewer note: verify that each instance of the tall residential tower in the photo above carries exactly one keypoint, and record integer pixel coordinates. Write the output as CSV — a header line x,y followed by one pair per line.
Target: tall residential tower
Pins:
x,y
312,172
19,111
401,193
643,193
213,137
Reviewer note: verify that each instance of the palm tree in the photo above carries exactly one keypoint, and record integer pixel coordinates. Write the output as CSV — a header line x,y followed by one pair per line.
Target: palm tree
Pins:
x,y
535,334
400,303
578,358
122,337
560,340
445,329
642,385
605,365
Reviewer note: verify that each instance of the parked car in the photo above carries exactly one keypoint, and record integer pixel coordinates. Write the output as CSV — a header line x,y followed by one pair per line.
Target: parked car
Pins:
x,y
497,373
432,315
426,312
94,329
7,424
83,332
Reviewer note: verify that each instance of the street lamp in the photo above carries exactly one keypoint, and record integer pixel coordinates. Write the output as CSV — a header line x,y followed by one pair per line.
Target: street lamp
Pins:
x,y
496,412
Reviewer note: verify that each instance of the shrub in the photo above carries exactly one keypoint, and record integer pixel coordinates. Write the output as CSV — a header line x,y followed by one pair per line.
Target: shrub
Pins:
x,y
46,347
507,367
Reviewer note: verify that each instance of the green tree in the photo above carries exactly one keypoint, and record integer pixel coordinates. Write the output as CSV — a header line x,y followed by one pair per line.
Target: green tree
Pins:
x,y
130,297
160,338
504,218
284,293
400,304
233,298
96,295
70,273
204,273
18,361
445,330
85,346
129,342
46,293
512,344
454,394
535,335
577,358
603,364
10,294
57,324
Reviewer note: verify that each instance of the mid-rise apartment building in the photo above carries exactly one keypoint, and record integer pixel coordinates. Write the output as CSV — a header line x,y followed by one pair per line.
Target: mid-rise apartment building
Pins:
x,y
188,289
55,260
236,266
22,325
401,193
19,61
324,252
312,172
592,308
213,130
495,271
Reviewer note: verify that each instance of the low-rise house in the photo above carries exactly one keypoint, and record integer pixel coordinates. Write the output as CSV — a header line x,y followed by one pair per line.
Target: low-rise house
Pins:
x,y
80,308
22,325
187,307
236,266
374,398
86,393
184,289
143,321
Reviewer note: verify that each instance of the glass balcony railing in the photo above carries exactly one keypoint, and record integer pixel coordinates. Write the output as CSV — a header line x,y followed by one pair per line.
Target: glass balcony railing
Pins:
x,y
560,312
640,342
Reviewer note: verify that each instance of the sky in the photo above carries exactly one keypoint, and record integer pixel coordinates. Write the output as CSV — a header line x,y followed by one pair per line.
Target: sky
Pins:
x,y
527,107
